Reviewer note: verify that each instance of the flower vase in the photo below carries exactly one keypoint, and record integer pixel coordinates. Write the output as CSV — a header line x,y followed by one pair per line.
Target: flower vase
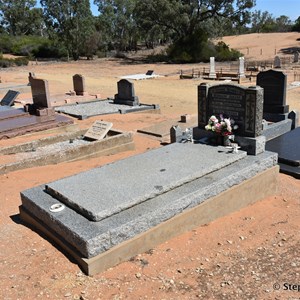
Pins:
x,y
226,141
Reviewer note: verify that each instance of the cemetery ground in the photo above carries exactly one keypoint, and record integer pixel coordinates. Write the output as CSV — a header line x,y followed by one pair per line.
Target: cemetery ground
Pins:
x,y
250,254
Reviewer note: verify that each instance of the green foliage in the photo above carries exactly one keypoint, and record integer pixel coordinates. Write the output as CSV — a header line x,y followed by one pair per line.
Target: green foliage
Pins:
x,y
71,22
21,17
25,45
9,62
296,26
224,53
117,23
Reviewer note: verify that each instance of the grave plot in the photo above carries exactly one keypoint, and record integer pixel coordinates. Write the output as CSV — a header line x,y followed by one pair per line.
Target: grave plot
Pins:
x,y
64,147
34,117
288,148
125,101
109,214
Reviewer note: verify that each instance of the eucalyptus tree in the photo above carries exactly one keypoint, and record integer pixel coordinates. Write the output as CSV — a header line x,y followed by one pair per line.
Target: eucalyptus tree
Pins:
x,y
186,21
72,22
117,23
21,17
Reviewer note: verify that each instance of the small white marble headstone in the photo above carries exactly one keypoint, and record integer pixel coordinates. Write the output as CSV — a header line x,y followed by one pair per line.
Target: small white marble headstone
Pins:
x,y
98,130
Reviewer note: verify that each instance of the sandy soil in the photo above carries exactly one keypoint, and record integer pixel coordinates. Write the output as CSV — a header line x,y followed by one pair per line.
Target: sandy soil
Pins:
x,y
245,255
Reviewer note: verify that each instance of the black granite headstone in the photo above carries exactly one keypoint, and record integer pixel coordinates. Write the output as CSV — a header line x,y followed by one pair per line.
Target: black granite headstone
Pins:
x,y
243,105
126,93
274,84
9,98
288,148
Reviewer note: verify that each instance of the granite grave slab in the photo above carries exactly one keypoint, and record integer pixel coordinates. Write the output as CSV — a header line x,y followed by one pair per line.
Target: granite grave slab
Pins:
x,y
90,238
103,107
102,192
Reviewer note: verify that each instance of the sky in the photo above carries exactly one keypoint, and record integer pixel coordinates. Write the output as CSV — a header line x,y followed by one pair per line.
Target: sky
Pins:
x,y
277,8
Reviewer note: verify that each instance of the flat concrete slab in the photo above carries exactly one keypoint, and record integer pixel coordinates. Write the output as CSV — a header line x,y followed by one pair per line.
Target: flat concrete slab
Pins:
x,y
102,107
105,191
90,238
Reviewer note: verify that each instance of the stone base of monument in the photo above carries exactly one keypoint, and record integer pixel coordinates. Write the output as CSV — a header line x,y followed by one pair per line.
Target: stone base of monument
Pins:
x,y
14,122
253,146
103,107
273,130
109,214
63,147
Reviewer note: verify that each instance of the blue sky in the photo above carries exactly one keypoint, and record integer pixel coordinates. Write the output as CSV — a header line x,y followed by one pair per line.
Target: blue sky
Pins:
x,y
290,8
277,8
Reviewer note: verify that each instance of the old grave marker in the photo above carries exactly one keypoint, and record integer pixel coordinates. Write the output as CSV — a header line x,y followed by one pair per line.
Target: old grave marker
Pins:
x,y
79,85
9,98
40,92
243,105
98,130
126,93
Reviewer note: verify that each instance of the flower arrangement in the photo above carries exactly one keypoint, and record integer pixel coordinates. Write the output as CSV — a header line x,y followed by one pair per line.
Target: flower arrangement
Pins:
x,y
222,126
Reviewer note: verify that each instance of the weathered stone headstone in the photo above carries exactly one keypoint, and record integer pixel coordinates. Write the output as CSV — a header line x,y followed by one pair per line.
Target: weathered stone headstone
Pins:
x,y
277,62
79,85
98,130
274,84
9,98
243,105
126,93
212,70
241,67
41,98
296,57
40,92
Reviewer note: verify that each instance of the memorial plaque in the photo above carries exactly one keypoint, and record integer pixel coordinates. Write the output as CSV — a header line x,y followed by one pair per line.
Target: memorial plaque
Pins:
x,y
98,130
243,105
9,98
274,84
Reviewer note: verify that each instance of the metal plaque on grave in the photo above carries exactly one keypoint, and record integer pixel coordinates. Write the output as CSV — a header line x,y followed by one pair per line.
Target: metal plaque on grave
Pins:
x,y
98,130
243,105
274,84
9,98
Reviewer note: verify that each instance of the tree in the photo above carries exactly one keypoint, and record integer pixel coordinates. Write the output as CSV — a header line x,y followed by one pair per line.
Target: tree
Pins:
x,y
261,21
283,24
71,22
296,26
117,23
185,20
20,17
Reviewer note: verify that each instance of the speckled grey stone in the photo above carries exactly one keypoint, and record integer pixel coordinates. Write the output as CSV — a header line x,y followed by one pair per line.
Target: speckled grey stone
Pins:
x,y
274,130
103,107
107,190
91,238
